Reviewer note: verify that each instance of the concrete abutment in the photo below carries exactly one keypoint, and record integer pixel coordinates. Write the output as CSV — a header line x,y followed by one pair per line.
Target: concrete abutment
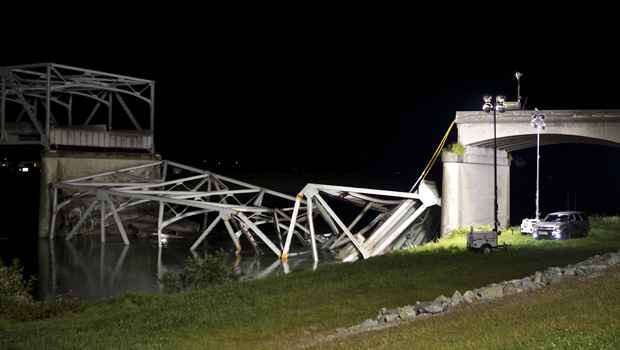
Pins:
x,y
57,165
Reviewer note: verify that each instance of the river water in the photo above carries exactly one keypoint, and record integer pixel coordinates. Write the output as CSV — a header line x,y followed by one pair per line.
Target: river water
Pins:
x,y
88,269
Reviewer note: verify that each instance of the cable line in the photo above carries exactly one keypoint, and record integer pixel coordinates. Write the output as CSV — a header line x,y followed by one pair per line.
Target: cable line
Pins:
x,y
433,159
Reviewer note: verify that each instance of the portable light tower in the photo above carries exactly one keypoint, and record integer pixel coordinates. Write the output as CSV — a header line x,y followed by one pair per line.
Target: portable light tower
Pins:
x,y
497,106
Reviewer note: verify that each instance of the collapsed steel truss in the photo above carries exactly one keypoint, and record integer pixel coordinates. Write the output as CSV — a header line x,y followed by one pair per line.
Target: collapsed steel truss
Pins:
x,y
236,203
245,209
59,88
392,214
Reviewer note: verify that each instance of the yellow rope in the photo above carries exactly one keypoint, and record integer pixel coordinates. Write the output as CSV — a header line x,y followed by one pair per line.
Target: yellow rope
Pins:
x,y
433,159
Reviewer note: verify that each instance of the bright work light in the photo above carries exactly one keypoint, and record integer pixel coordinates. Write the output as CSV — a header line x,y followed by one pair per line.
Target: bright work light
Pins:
x,y
487,106
501,108
499,103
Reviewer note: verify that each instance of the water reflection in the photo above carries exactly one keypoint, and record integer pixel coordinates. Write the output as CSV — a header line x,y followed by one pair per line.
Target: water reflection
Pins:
x,y
88,269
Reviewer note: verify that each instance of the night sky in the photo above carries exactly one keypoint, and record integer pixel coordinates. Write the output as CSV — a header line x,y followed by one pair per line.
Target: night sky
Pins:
x,y
331,103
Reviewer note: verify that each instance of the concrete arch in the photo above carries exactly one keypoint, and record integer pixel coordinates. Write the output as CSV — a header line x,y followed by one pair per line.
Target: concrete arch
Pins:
x,y
514,131
468,191
519,142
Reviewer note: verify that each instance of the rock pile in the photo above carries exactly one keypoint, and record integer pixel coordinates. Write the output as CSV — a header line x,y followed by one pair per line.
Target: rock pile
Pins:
x,y
588,268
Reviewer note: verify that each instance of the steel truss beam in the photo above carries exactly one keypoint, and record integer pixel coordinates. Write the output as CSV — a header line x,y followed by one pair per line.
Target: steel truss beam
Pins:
x,y
64,86
246,210
199,192
393,212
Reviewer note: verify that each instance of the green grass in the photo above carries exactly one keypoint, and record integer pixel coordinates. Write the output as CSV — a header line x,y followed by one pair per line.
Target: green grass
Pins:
x,y
576,314
280,312
456,148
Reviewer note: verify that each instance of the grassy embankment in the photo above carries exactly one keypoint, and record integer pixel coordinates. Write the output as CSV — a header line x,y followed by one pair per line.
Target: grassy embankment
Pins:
x,y
576,314
282,312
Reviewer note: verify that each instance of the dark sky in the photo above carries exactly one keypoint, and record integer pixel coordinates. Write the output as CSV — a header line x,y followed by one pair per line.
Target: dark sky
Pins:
x,y
333,101
360,100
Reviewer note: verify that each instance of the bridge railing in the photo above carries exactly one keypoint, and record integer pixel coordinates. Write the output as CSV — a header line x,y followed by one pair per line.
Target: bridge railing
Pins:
x,y
130,139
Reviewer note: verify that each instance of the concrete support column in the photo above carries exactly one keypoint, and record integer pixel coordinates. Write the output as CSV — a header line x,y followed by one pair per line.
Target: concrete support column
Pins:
x,y
467,193
49,175
63,165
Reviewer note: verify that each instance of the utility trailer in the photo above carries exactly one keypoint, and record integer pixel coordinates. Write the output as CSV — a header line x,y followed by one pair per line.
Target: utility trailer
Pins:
x,y
484,241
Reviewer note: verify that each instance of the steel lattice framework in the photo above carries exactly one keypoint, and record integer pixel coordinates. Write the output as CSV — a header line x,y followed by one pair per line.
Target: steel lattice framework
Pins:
x,y
38,102
240,206
60,106
392,214
260,215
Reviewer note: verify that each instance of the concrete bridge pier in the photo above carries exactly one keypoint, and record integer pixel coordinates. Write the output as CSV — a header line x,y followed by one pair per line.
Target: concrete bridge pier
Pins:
x,y
468,191
59,165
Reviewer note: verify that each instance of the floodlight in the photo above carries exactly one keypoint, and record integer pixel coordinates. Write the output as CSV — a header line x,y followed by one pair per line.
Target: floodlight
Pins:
x,y
498,107
487,107
499,104
538,120
518,75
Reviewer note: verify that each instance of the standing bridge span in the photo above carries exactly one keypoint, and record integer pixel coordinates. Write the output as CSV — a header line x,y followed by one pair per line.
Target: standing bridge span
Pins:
x,y
468,177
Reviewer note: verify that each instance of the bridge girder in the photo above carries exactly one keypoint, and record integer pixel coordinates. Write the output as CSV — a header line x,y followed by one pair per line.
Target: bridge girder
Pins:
x,y
514,131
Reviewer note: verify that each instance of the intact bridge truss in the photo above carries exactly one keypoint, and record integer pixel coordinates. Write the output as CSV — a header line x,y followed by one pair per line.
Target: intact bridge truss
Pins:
x,y
56,105
385,219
